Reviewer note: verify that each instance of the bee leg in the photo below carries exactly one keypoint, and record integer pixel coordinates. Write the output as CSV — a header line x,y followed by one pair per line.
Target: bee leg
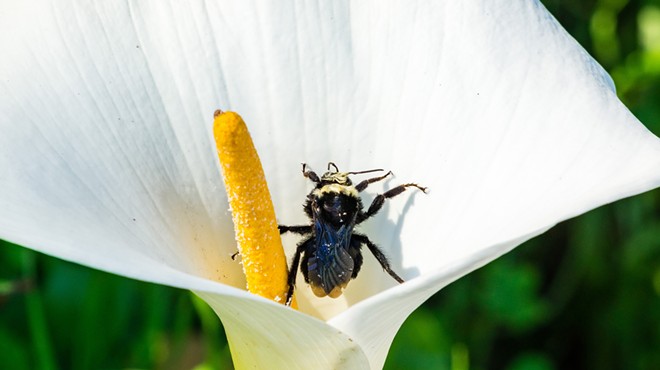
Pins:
x,y
377,204
356,253
379,256
363,185
310,174
293,271
301,229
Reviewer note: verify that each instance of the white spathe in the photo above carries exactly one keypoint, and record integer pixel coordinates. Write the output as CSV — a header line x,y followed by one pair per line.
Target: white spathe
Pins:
x,y
107,157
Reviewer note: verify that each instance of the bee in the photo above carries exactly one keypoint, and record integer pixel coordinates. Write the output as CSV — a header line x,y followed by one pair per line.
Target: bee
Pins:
x,y
330,253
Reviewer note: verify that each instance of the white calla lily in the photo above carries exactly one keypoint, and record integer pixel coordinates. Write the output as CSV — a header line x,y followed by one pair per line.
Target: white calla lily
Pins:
x,y
107,157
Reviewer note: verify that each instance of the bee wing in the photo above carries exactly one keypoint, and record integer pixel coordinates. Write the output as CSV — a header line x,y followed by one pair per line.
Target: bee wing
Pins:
x,y
330,266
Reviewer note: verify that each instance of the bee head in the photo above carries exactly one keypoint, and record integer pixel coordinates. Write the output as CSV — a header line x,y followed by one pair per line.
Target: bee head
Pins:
x,y
340,178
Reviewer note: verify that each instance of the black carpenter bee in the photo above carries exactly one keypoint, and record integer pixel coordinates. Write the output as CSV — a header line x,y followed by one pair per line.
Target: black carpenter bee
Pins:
x,y
331,250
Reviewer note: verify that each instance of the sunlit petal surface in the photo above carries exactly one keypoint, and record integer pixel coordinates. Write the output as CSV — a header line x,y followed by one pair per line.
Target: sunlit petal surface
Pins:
x,y
107,159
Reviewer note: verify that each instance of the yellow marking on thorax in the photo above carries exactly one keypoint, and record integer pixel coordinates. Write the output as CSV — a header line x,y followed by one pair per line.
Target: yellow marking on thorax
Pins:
x,y
336,188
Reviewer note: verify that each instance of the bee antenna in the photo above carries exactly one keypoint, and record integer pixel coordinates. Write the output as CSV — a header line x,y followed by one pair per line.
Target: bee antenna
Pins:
x,y
367,171
331,164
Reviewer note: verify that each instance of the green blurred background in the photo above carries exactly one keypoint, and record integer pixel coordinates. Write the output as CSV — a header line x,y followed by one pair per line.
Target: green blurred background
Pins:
x,y
585,295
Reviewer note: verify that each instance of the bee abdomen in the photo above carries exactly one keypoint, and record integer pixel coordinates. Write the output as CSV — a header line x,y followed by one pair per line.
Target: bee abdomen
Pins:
x,y
329,271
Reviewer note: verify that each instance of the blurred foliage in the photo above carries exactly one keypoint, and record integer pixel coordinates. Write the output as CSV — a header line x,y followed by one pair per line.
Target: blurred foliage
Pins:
x,y
59,315
584,295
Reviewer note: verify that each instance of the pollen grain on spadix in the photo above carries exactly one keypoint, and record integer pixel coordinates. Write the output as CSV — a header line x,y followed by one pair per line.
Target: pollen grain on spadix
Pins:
x,y
257,235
